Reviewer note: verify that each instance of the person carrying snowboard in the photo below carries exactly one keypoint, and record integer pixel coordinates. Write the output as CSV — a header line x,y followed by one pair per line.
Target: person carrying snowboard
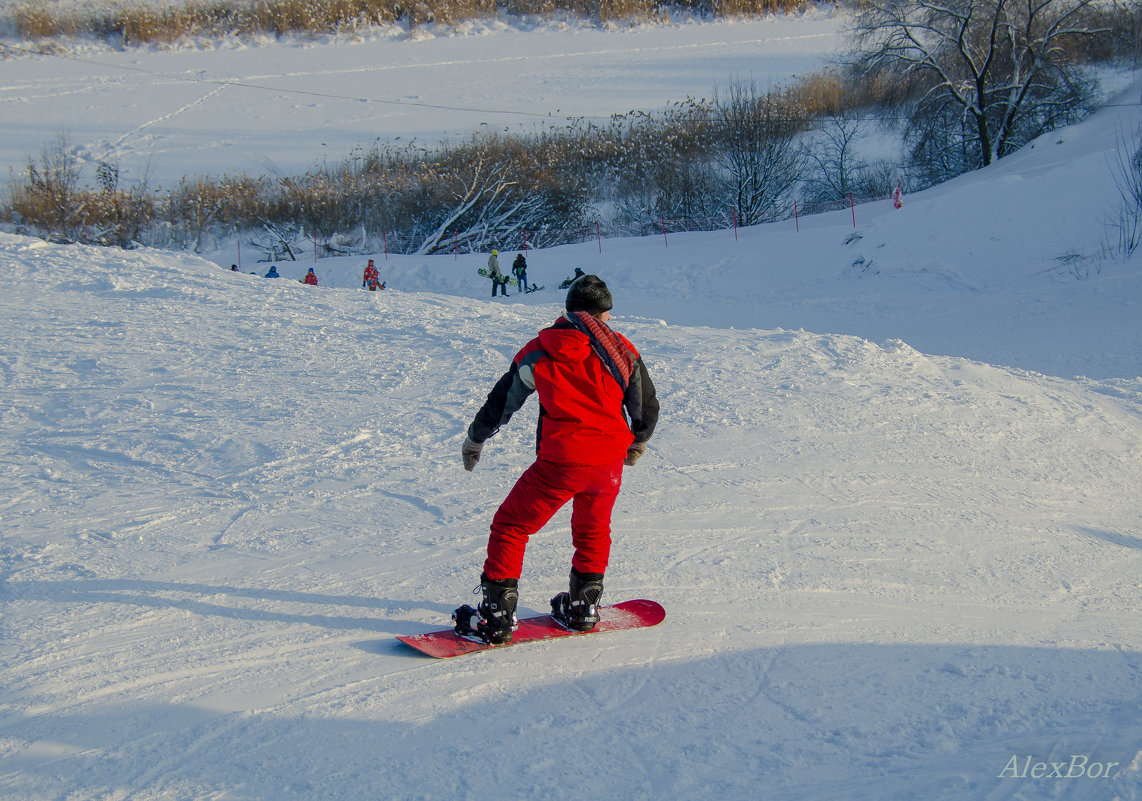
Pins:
x,y
519,270
597,409
499,280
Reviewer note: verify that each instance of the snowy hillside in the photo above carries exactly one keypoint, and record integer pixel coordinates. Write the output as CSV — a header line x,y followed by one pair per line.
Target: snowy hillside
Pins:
x,y
1002,266
886,574
891,511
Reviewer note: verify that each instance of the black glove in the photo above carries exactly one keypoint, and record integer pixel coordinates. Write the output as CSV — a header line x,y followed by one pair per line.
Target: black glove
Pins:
x,y
634,453
470,451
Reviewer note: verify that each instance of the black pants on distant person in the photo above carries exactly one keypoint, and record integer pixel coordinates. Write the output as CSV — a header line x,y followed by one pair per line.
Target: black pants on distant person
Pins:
x,y
500,284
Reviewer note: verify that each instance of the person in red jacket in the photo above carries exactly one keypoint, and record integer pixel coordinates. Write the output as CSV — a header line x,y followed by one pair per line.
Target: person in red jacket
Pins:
x,y
597,409
311,277
371,277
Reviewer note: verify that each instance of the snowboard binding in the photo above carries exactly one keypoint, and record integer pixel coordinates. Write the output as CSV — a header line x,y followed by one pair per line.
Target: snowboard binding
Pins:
x,y
578,609
493,620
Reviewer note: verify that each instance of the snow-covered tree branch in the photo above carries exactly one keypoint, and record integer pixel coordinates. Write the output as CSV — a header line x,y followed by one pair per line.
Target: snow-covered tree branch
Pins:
x,y
987,76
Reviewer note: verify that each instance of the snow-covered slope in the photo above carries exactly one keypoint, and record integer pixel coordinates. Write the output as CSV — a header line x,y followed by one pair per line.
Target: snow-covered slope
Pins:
x,y
1005,265
891,510
887,574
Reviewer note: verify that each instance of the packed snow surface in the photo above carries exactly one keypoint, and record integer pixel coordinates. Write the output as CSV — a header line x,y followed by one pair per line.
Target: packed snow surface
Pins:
x,y
891,509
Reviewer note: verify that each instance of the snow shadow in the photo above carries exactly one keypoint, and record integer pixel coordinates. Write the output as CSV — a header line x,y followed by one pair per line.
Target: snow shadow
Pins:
x,y
1125,540
858,722
224,601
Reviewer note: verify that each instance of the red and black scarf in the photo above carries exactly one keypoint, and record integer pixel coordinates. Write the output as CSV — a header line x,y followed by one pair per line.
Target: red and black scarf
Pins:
x,y
607,346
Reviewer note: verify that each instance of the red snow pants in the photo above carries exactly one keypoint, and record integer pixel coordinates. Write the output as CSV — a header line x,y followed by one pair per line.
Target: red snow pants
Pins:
x,y
539,493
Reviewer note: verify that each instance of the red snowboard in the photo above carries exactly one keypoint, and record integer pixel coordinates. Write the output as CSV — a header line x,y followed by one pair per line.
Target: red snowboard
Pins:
x,y
627,615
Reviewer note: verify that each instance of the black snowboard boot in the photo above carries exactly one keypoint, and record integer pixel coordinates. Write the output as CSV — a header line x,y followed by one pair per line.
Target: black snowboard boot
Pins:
x,y
493,620
578,609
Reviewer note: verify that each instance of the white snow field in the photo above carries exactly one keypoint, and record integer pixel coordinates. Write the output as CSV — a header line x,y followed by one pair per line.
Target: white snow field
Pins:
x,y
231,107
891,509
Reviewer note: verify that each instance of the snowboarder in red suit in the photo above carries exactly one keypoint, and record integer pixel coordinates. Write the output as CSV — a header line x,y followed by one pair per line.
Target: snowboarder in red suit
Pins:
x,y
597,409
311,277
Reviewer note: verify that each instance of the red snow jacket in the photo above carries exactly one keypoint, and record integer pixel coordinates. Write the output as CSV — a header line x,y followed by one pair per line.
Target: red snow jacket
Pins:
x,y
592,403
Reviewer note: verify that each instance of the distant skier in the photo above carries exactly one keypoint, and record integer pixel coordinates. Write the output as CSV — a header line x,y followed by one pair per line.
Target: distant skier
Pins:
x,y
519,270
372,278
499,280
273,273
311,277
597,409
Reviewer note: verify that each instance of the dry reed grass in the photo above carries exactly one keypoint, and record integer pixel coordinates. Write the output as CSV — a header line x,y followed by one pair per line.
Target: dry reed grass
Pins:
x,y
140,22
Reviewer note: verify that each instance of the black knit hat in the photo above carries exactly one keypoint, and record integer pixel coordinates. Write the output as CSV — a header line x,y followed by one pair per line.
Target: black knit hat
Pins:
x,y
590,294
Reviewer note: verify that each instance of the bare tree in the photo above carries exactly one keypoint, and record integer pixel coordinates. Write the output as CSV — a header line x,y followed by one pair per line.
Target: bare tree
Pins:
x,y
835,161
123,213
988,75
281,240
192,209
1136,34
756,151
1128,180
493,193
676,187
481,196
52,195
